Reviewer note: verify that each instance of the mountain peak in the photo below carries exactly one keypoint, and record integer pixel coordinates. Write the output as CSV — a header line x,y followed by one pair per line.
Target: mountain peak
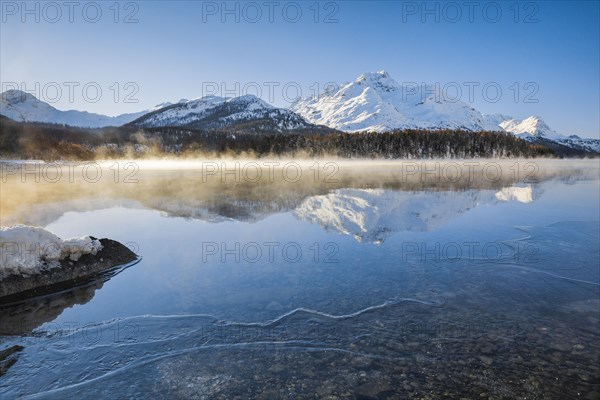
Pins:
x,y
375,102
14,96
534,119
218,113
533,126
379,81
370,77
251,102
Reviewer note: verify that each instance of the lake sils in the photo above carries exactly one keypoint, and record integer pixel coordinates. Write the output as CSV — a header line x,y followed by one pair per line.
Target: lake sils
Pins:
x,y
338,279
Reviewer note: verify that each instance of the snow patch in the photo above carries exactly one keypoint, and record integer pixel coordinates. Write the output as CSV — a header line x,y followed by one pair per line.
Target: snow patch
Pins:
x,y
27,250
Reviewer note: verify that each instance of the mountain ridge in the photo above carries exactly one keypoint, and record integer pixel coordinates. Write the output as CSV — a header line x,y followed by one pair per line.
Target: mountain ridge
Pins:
x,y
373,102
216,113
21,106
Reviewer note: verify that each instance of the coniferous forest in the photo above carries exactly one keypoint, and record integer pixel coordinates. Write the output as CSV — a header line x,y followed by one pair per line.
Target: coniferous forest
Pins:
x,y
57,142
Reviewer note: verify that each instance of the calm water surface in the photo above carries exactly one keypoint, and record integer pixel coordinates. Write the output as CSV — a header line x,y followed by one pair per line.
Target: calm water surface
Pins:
x,y
370,287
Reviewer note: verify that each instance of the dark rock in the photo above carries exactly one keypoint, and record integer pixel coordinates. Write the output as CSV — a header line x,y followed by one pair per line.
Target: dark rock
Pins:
x,y
69,275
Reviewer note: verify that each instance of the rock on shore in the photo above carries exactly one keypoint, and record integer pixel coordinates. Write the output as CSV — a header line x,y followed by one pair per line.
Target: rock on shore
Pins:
x,y
66,273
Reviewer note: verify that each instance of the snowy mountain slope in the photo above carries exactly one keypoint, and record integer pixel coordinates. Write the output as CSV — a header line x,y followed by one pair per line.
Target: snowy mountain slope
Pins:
x,y
213,113
24,107
576,142
178,114
534,129
532,126
376,102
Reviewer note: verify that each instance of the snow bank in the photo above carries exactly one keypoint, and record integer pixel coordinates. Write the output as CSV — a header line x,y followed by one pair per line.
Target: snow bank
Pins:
x,y
27,250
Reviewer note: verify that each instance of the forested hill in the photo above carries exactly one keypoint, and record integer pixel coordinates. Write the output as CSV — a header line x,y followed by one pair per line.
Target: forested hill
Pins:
x,y
52,142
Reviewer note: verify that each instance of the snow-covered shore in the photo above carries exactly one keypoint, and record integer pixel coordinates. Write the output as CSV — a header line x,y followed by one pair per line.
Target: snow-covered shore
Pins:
x,y
36,262
27,250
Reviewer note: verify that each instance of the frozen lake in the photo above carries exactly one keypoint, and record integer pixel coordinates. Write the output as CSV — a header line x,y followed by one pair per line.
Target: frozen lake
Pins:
x,y
316,280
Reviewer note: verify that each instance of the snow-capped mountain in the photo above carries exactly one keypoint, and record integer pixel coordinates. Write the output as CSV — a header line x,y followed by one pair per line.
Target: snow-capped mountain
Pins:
x,y
532,126
372,102
576,142
376,102
534,129
25,107
212,113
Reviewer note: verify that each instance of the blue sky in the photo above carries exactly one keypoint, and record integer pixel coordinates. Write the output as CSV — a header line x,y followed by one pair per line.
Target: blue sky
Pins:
x,y
543,56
